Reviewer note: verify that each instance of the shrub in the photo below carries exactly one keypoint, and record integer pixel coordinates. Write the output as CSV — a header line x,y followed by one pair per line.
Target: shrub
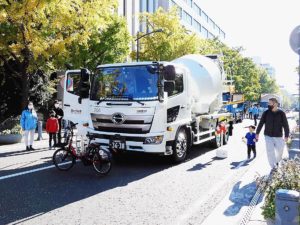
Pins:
x,y
287,176
11,126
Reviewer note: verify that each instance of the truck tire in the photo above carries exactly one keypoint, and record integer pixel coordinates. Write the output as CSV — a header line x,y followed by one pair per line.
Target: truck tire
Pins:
x,y
180,146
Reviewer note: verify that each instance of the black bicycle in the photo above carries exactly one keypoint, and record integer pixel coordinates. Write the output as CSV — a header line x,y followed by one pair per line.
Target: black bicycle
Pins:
x,y
65,157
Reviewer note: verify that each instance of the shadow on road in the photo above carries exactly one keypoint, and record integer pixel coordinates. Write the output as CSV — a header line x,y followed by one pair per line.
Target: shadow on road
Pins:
x,y
236,165
23,152
34,194
201,166
241,196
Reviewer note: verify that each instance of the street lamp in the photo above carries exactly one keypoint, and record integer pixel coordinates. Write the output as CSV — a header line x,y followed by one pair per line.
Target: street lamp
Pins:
x,y
139,37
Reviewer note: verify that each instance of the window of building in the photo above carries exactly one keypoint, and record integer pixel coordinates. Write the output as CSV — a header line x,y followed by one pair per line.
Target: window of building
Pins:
x,y
204,15
143,5
211,22
197,25
178,8
204,32
210,35
222,34
197,9
187,17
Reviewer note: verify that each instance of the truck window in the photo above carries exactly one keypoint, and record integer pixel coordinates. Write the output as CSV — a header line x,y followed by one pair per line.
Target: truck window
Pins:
x,y
72,84
178,85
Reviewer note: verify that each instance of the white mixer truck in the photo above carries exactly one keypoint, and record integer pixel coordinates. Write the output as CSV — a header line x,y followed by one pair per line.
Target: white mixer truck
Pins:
x,y
152,107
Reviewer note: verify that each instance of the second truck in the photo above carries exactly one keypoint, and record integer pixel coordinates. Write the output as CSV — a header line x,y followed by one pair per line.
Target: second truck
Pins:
x,y
152,107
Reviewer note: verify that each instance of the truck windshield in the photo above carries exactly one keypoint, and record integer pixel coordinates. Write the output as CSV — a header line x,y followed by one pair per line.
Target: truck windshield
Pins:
x,y
124,83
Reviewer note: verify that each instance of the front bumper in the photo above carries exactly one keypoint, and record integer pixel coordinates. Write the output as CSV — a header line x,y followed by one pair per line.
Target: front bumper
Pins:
x,y
133,143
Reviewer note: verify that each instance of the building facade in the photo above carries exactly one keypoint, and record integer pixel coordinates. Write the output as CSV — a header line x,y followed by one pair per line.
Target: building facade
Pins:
x,y
192,16
270,69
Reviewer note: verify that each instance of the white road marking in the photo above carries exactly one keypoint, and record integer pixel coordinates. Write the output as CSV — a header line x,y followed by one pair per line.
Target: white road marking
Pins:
x,y
30,171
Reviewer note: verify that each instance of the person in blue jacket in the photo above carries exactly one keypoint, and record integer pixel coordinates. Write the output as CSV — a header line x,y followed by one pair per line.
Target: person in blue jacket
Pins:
x,y
28,124
255,113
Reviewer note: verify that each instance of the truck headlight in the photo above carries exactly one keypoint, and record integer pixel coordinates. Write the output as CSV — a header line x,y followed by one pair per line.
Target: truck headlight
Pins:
x,y
154,140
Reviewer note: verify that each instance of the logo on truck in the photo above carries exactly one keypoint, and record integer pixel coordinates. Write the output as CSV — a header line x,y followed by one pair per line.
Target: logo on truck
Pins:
x,y
118,118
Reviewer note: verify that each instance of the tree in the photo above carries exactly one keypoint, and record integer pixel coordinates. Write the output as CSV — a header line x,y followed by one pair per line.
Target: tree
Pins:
x,y
37,35
268,85
111,46
173,42
238,68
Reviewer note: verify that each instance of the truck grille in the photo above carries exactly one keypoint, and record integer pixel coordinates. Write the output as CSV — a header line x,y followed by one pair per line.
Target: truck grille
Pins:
x,y
130,124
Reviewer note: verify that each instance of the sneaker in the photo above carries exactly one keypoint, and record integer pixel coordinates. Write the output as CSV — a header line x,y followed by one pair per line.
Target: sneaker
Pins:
x,y
27,148
31,148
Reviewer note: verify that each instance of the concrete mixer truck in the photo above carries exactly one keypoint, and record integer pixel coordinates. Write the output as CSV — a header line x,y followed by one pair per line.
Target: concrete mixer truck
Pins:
x,y
152,107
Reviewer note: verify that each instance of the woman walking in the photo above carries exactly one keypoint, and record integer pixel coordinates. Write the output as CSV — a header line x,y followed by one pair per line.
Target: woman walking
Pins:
x,y
28,124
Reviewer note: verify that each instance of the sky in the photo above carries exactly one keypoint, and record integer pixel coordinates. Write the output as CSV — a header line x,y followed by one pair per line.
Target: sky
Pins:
x,y
262,28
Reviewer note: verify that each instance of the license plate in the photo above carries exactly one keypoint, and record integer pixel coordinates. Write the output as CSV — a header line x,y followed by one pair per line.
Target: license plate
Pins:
x,y
118,145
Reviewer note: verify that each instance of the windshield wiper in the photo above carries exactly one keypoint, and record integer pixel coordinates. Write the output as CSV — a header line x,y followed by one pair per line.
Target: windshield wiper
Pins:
x,y
105,98
130,98
138,101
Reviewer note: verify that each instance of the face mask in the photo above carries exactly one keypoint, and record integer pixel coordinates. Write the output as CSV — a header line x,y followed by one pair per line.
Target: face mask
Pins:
x,y
30,107
270,107
56,105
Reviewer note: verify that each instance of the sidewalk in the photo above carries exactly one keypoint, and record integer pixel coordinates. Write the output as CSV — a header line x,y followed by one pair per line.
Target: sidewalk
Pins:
x,y
36,144
239,203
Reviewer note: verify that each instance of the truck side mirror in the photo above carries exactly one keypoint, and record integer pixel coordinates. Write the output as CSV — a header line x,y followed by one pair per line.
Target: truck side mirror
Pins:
x,y
84,85
169,87
169,72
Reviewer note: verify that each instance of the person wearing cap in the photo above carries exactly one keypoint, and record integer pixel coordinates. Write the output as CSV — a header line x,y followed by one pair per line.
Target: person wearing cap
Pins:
x,y
275,121
251,140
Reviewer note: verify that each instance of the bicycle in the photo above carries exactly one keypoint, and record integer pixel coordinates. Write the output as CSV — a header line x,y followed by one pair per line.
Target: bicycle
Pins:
x,y
65,157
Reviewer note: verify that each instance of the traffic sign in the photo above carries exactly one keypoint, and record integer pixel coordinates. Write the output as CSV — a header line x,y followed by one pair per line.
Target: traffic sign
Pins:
x,y
295,40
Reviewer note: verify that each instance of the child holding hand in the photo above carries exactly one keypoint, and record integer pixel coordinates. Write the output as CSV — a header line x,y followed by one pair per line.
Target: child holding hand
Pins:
x,y
251,141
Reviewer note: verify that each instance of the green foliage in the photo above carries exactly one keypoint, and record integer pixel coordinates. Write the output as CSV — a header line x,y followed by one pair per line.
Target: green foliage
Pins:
x,y
286,177
268,85
15,130
109,46
238,68
172,43
40,36
10,126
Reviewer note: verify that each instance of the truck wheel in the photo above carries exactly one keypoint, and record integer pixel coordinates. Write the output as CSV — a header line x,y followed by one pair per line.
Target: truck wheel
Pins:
x,y
180,146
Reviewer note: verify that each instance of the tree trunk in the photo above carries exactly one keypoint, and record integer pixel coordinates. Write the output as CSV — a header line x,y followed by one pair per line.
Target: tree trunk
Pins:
x,y
25,90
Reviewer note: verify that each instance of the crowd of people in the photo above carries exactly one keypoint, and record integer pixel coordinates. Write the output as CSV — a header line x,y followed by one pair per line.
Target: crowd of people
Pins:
x,y
29,120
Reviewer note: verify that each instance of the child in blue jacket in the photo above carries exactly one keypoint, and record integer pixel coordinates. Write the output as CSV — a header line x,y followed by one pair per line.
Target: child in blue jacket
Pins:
x,y
251,141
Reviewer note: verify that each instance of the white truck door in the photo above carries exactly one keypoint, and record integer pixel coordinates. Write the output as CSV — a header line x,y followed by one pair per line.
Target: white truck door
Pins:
x,y
73,110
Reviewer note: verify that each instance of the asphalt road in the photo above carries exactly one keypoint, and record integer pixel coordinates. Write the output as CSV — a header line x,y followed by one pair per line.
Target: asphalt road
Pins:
x,y
141,189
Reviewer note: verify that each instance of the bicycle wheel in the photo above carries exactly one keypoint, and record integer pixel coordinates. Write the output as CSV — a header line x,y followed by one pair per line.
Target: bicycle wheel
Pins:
x,y
63,159
101,162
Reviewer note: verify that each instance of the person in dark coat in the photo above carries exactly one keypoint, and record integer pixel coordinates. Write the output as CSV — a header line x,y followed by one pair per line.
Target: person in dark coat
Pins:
x,y
275,122
59,114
